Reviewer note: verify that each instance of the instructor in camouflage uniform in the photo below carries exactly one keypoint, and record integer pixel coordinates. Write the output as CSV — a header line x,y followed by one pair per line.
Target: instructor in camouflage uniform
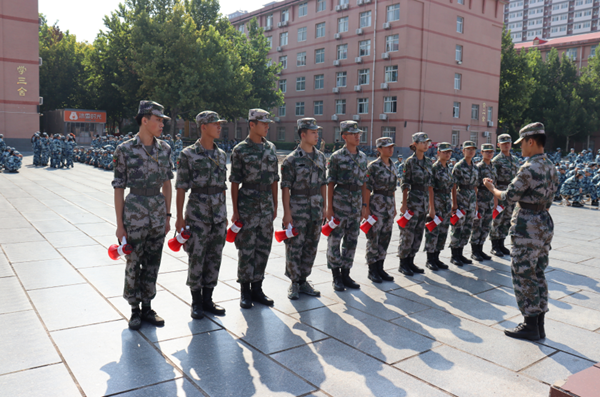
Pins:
x,y
254,165
303,190
202,167
143,164
531,230
486,202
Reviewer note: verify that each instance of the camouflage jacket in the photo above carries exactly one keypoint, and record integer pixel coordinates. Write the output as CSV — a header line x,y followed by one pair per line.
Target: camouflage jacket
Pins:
x,y
382,177
344,168
463,174
56,146
506,168
299,171
196,169
417,172
442,182
254,165
485,171
535,183
571,186
179,145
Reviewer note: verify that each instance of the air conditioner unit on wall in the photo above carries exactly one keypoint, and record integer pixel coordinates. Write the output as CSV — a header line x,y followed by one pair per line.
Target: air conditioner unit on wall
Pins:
x,y
383,116
267,28
279,49
384,86
359,2
40,63
336,62
358,60
386,25
41,102
385,55
345,6
338,8
357,88
334,117
276,119
359,31
338,36
490,123
336,90
356,117
485,134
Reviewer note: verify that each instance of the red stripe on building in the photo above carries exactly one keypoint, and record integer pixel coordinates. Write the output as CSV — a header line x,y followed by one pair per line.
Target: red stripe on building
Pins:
x,y
2,16
20,61
18,102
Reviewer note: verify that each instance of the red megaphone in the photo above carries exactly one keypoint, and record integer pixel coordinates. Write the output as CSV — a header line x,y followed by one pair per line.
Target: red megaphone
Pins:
x,y
233,231
116,251
459,214
366,224
176,242
478,215
403,221
497,211
329,226
433,223
290,232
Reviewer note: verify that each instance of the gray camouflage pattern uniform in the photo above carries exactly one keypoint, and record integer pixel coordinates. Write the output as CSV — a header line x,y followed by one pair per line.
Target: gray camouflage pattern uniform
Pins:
x,y
506,169
466,199
442,183
485,204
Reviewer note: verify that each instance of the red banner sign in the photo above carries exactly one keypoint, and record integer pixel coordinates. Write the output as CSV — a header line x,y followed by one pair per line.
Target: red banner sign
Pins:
x,y
84,116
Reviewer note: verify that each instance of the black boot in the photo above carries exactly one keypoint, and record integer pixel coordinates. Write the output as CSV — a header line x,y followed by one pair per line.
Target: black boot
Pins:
x,y
150,316
404,267
475,253
259,296
348,282
246,296
496,249
526,330
505,250
438,262
462,257
485,256
541,329
413,267
374,273
338,283
197,312
595,203
455,259
382,273
431,263
135,322
207,303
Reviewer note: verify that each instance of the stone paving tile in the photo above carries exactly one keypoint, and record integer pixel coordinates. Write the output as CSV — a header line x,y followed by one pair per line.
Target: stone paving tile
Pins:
x,y
14,222
591,300
557,367
52,226
68,239
5,269
32,251
88,256
21,235
107,279
12,296
178,387
45,215
572,280
176,283
97,229
47,273
48,381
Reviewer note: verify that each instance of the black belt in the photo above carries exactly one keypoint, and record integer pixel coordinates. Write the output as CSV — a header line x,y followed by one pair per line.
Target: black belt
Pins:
x,y
261,187
208,190
466,187
388,193
145,192
442,191
352,188
532,207
306,192
421,188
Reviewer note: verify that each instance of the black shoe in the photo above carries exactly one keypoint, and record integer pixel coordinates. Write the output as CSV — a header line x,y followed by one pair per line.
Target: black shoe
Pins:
x,y
505,250
405,268
541,329
485,256
413,267
475,253
463,259
455,259
374,273
595,203
196,311
526,330
348,282
496,249
259,296
208,305
382,273
135,322
245,296
438,262
150,316
431,263
577,204
338,283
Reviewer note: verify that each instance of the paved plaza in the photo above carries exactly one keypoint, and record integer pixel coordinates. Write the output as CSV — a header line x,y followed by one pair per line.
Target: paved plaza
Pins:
x,y
63,321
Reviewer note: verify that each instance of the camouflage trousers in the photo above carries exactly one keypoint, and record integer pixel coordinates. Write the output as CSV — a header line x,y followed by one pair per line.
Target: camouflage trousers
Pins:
x,y
529,260
575,197
254,246
436,240
301,251
37,157
412,234
205,249
345,234
378,238
141,270
461,231
501,224
55,160
481,227
44,157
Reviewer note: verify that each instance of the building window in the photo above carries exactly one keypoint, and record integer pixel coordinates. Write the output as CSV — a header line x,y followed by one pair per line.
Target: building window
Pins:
x,y
285,15
456,110
474,136
283,61
571,53
340,79
474,112
318,108
342,51
238,133
389,132
270,41
281,111
364,48
336,134
490,114
364,134
320,55
320,5
300,83
340,106
460,24
283,38
342,25
393,13
459,53
363,76
241,28
461,2
302,9
455,136
389,104
363,105
270,20
283,85
457,81
319,81
281,133
391,43
342,2
391,74
592,51
320,30
301,59
302,34
299,108
365,19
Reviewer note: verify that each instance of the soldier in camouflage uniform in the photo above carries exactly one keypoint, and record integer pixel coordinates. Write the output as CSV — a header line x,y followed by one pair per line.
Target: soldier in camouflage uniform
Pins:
x,y
417,196
531,230
178,147
507,166
346,176
143,164
254,165
572,189
485,203
442,184
303,189
464,197
202,167
45,147
382,180
562,177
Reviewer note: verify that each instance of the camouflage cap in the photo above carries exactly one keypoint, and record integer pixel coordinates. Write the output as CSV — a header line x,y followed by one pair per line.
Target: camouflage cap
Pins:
x,y
208,116
504,138
559,149
349,127
487,146
580,173
562,167
529,130
444,147
259,115
307,123
586,169
420,137
151,107
469,144
384,142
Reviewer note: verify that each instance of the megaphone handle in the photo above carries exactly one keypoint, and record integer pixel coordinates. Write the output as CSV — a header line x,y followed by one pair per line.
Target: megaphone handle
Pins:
x,y
123,241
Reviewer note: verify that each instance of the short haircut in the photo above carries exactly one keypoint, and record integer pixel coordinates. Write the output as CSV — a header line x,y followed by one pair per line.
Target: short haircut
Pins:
x,y
139,118
252,121
301,130
540,139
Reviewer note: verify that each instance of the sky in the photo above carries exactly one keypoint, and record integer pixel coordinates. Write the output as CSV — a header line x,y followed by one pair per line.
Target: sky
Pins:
x,y
84,17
